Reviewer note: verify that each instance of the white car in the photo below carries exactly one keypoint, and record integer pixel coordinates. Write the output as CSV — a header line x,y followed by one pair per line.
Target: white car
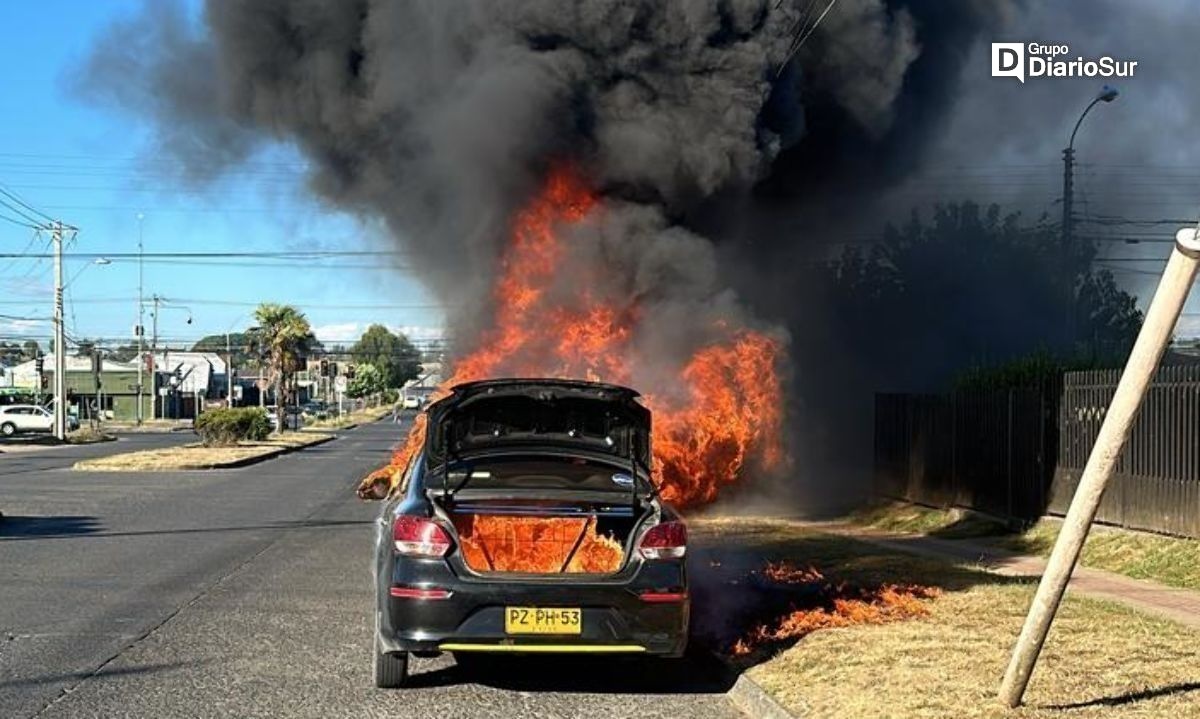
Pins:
x,y
29,418
412,402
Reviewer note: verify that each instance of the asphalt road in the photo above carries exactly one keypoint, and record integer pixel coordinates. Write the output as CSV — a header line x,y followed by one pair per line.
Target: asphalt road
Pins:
x,y
247,593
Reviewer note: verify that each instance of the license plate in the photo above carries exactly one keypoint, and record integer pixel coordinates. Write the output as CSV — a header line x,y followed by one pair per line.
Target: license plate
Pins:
x,y
532,620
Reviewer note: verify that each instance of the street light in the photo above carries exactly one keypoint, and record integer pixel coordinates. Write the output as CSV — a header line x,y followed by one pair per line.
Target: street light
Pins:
x,y
1106,94
100,261
159,302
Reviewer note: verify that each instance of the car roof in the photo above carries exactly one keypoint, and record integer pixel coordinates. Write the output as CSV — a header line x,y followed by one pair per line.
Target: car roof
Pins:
x,y
7,407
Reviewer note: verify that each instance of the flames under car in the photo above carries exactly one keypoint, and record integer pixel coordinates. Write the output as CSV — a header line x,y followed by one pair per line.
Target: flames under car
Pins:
x,y
529,523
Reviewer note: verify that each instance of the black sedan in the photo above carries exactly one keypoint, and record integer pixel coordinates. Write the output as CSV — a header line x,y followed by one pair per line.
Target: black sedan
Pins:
x,y
528,523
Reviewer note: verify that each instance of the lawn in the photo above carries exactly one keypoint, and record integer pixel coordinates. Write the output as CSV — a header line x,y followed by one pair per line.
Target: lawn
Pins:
x,y
1174,561
197,456
1101,659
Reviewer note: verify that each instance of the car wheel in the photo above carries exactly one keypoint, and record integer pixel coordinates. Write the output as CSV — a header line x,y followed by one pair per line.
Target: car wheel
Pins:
x,y
8,429
391,668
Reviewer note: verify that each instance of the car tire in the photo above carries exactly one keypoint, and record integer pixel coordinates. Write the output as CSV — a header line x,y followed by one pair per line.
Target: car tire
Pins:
x,y
8,429
391,668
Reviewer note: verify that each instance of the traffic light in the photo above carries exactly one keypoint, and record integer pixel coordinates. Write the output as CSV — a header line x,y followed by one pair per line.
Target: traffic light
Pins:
x,y
39,364
350,371
333,369
324,368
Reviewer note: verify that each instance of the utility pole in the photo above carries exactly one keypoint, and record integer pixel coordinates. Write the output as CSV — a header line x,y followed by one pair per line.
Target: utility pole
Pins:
x,y
141,324
1068,240
228,373
1106,94
154,361
60,343
1151,342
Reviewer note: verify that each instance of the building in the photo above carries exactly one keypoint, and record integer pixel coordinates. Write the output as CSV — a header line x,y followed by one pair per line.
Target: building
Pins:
x,y
185,380
115,397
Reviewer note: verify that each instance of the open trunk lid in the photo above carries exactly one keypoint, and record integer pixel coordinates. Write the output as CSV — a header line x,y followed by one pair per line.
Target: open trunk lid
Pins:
x,y
538,416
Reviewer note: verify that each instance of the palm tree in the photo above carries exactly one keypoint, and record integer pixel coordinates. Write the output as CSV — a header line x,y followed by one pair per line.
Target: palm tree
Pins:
x,y
285,338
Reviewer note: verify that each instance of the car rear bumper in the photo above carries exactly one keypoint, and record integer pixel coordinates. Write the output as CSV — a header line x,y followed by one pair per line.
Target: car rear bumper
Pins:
x,y
615,616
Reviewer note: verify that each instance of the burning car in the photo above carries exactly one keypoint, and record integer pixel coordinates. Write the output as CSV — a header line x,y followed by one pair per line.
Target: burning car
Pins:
x,y
528,523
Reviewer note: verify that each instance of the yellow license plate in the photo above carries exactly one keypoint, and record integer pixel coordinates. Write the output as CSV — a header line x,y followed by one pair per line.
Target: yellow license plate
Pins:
x,y
533,620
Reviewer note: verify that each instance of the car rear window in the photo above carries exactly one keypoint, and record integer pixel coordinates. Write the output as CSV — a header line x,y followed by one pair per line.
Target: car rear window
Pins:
x,y
541,473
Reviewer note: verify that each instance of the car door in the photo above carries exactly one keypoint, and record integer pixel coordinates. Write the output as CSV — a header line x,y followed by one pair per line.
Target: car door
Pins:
x,y
40,419
22,418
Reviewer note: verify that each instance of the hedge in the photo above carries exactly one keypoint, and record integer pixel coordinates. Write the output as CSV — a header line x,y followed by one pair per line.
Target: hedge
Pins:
x,y
225,427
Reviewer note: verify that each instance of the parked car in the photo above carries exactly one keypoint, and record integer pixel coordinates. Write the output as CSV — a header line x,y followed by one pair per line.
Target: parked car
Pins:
x,y
17,418
529,452
412,402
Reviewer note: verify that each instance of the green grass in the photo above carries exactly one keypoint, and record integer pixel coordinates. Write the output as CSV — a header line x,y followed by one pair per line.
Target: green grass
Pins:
x,y
1101,660
1173,561
915,519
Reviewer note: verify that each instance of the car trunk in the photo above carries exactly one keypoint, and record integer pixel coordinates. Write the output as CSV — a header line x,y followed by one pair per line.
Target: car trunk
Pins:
x,y
543,516
541,476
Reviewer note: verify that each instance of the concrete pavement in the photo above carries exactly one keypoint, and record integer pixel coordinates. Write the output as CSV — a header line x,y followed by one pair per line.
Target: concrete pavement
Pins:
x,y
247,593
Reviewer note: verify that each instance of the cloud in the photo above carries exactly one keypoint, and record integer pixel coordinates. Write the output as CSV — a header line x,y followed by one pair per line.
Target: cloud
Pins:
x,y
351,331
339,332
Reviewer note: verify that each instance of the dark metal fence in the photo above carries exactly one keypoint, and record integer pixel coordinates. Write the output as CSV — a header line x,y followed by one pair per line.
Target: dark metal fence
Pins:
x,y
1019,452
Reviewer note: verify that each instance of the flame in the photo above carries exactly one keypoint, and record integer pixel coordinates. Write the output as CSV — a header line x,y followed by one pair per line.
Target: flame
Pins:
x,y
538,545
844,606
724,410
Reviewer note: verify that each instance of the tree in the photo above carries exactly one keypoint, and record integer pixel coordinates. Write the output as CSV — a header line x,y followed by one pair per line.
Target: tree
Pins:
x,y
972,287
243,344
392,354
368,380
30,349
10,353
285,339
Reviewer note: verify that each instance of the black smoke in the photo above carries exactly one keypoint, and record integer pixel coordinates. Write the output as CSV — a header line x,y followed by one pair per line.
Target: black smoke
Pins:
x,y
726,157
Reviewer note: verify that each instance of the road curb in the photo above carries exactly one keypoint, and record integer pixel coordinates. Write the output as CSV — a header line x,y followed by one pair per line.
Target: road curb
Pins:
x,y
201,466
750,698
246,462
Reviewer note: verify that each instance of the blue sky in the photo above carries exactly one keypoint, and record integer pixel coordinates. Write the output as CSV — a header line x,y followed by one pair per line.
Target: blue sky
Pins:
x,y
89,167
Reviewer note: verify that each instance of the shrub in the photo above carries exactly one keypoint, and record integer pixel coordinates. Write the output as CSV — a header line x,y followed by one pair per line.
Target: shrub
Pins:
x,y
225,427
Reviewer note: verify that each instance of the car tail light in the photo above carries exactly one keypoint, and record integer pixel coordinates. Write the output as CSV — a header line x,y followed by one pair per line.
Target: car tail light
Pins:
x,y
419,593
663,597
664,541
419,537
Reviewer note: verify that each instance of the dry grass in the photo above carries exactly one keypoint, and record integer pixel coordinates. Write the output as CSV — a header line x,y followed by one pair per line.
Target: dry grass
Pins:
x,y
1101,660
88,435
197,456
1174,561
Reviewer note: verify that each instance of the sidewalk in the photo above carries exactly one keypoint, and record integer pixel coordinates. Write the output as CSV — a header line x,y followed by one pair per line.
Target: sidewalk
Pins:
x,y
1179,605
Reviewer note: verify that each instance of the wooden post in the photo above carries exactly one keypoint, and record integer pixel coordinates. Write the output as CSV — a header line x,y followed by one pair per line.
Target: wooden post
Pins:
x,y
1155,334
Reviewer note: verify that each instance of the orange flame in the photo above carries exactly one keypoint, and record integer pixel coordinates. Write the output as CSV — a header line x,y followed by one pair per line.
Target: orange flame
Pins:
x,y
724,412
848,606
538,545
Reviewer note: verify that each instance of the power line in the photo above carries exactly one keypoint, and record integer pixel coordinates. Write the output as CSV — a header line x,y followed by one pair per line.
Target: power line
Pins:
x,y
282,254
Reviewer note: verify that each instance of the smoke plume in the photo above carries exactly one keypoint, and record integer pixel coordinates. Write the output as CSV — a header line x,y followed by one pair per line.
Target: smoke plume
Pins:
x,y
692,120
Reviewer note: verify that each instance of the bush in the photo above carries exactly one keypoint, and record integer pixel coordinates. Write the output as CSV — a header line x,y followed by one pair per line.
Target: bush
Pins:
x,y
225,427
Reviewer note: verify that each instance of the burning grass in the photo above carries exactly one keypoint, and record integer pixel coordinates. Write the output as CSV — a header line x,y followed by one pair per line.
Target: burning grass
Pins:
x,y
840,605
720,414
1102,660
537,545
